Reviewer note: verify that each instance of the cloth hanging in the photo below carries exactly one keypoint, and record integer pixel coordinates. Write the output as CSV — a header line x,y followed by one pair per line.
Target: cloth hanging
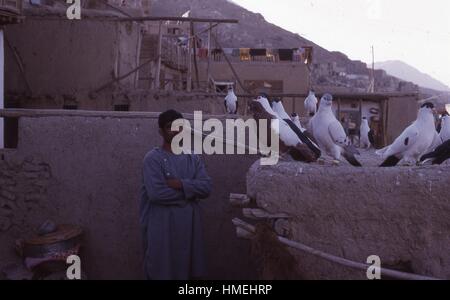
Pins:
x,y
245,54
236,52
203,53
228,51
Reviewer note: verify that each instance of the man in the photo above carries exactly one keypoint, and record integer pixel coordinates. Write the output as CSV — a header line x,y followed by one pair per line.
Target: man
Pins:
x,y
170,214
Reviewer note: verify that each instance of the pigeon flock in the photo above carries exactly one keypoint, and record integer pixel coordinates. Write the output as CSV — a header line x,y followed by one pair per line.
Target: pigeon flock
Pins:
x,y
325,135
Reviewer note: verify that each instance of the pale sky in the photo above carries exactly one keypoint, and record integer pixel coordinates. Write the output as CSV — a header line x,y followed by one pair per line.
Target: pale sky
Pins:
x,y
416,32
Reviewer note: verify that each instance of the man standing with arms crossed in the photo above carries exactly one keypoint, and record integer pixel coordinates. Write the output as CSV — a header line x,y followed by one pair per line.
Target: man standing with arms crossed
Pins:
x,y
170,214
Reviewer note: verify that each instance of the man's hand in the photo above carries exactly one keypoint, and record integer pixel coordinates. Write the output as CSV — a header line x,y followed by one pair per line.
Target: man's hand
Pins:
x,y
175,184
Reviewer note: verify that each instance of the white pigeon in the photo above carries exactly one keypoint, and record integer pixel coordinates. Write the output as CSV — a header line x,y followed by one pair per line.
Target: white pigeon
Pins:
x,y
278,107
290,140
364,132
231,102
329,133
415,140
287,135
311,104
296,119
186,14
445,129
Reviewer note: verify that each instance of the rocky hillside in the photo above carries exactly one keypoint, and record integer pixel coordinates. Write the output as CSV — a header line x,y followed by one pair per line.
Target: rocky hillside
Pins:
x,y
252,31
406,72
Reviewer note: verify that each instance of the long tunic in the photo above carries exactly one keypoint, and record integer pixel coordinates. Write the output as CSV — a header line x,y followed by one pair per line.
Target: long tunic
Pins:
x,y
171,219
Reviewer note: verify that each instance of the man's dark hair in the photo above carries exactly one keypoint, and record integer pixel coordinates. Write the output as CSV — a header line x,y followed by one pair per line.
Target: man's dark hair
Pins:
x,y
168,117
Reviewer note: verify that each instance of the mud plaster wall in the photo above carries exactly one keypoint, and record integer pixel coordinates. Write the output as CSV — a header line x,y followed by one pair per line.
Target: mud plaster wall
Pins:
x,y
295,76
402,112
59,57
87,171
399,214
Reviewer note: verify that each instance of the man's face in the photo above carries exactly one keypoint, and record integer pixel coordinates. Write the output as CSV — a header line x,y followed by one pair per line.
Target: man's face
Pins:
x,y
167,133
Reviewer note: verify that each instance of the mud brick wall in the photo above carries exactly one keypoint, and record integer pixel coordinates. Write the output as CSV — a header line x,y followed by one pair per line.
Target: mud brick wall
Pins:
x,y
87,171
400,214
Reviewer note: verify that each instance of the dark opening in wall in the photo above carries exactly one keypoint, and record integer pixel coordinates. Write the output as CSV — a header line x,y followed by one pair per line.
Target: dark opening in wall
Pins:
x,y
11,133
122,107
70,106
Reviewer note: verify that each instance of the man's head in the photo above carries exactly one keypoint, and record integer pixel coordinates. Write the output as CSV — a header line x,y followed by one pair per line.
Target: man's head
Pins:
x,y
165,121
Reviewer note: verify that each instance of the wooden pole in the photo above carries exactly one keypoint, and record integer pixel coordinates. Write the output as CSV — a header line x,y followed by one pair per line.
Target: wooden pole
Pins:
x,y
385,118
360,119
231,66
158,66
208,70
189,62
194,49
138,58
2,92
179,19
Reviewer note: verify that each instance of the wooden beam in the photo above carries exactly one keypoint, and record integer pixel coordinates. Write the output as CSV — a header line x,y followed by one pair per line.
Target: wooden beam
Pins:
x,y
116,8
123,76
19,64
44,113
179,19
239,200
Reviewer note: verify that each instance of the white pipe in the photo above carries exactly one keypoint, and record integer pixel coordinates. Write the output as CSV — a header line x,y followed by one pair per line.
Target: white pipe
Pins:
x,y
339,260
2,92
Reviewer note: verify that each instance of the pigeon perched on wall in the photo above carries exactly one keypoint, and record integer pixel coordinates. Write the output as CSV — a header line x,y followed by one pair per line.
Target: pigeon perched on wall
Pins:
x,y
367,136
296,119
445,128
311,104
278,107
289,141
439,155
415,140
231,102
330,135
